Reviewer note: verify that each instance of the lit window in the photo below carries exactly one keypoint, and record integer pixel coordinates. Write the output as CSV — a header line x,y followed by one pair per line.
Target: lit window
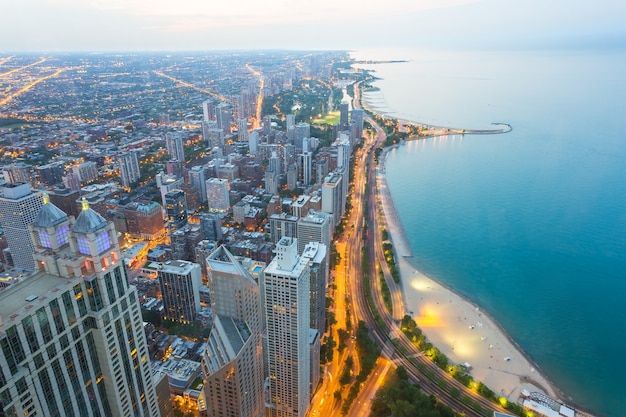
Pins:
x,y
44,239
62,234
103,242
83,245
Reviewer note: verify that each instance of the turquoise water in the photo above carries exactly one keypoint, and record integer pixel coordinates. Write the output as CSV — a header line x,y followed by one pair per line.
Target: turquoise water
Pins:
x,y
531,224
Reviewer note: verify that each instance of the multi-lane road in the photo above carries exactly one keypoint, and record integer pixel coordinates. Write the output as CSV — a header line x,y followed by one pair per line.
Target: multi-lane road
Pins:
x,y
441,384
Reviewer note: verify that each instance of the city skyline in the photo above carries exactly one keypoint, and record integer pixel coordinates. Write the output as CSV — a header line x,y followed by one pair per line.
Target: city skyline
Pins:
x,y
138,25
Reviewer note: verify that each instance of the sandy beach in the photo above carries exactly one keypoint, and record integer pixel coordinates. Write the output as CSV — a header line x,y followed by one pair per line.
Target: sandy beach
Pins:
x,y
459,328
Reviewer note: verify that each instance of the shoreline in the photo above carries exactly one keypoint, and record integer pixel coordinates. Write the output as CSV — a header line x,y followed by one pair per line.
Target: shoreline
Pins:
x,y
452,322
459,327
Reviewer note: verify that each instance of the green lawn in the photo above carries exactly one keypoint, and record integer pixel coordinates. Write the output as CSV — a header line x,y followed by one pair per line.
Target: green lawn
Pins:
x,y
330,119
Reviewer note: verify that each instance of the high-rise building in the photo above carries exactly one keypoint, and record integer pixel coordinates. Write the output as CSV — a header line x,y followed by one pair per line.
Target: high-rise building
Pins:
x,y
344,107
180,288
18,172
302,130
52,173
314,227
73,341
176,208
271,182
292,177
217,193
128,163
317,254
331,197
223,115
211,224
306,167
208,111
174,143
253,142
197,178
283,225
19,206
167,183
291,121
242,129
358,116
233,361
321,170
286,290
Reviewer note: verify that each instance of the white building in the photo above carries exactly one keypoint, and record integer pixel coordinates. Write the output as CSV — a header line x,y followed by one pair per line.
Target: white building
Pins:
x,y
332,191
217,193
287,310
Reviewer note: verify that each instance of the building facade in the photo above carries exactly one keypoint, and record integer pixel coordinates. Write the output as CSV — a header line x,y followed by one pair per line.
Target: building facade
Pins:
x,y
180,290
19,206
73,342
233,362
287,315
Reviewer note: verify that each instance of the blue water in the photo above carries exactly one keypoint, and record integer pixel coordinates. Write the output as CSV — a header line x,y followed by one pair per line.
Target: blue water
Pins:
x,y
531,225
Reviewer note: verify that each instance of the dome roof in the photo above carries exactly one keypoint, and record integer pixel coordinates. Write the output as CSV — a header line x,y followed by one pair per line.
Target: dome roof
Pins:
x,y
49,215
88,221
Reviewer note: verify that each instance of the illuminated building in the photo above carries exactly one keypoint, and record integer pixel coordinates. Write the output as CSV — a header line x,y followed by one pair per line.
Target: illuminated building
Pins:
x,y
286,287
180,289
176,208
74,341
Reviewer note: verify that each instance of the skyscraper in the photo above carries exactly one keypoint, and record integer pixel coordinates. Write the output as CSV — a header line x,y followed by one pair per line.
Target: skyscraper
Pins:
x,y
233,362
343,113
217,194
224,115
253,142
208,111
314,227
302,130
317,254
74,341
306,168
242,129
176,208
18,208
174,144
211,225
286,290
128,163
357,116
332,196
197,178
180,288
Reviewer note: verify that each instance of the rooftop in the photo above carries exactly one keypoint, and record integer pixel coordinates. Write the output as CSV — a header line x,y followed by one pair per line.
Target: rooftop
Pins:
x,y
43,286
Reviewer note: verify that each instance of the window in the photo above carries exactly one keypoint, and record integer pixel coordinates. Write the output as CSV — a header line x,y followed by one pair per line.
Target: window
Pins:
x,y
62,235
83,245
44,239
103,242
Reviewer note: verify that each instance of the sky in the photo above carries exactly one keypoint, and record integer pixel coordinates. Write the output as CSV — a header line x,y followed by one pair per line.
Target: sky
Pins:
x,y
170,25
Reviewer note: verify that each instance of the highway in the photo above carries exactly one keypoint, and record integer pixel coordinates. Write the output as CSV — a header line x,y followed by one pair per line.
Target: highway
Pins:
x,y
446,389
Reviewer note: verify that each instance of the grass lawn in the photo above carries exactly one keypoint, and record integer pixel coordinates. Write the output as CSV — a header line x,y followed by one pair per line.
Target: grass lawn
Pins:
x,y
330,119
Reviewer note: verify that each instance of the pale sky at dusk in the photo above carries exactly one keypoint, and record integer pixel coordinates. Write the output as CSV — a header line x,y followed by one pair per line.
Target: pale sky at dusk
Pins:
x,y
121,25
